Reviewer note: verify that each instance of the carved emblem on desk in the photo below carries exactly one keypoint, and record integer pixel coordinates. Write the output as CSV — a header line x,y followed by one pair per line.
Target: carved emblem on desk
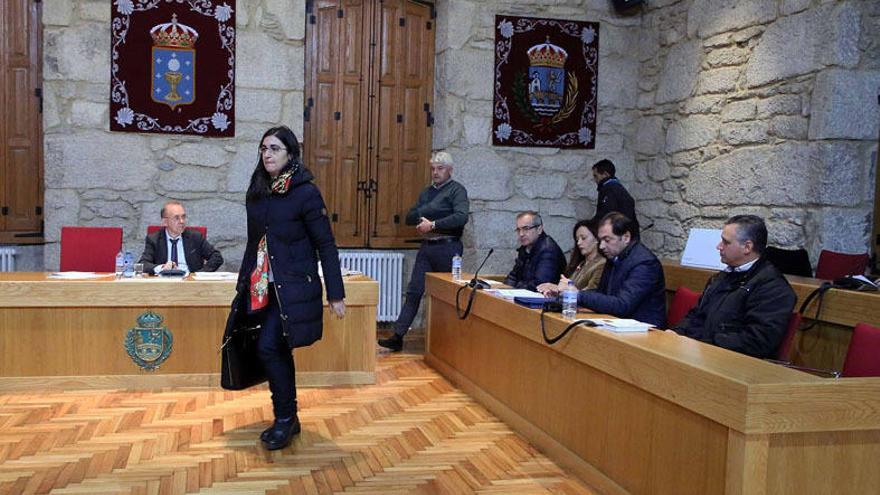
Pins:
x,y
149,344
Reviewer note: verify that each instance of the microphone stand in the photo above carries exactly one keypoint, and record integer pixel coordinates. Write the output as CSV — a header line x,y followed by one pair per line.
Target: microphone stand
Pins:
x,y
474,284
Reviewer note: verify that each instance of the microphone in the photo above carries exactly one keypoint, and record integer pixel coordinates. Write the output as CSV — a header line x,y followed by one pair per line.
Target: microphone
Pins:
x,y
477,283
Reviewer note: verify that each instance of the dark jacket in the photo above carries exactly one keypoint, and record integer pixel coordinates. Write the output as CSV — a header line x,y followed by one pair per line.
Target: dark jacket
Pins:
x,y
543,263
632,286
298,233
200,255
614,197
447,206
746,312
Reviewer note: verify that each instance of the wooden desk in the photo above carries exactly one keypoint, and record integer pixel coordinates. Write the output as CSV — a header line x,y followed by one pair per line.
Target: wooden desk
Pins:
x,y
71,333
654,412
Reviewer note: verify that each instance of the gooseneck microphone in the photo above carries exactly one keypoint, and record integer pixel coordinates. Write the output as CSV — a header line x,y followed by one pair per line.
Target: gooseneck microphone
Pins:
x,y
477,283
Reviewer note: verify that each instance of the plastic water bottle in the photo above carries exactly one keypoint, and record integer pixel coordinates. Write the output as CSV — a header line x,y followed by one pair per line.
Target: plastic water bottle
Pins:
x,y
570,301
456,268
128,265
120,263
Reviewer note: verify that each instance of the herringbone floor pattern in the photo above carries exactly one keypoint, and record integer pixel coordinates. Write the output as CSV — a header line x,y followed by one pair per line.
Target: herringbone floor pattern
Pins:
x,y
412,432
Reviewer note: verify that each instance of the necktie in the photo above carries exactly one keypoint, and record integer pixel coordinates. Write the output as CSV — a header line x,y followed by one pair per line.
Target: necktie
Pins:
x,y
174,250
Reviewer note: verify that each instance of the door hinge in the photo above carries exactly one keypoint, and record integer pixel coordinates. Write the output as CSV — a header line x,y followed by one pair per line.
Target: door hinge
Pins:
x,y
433,12
310,6
38,92
334,217
429,119
397,219
399,118
4,211
38,210
402,22
310,102
337,115
307,114
312,19
339,14
428,25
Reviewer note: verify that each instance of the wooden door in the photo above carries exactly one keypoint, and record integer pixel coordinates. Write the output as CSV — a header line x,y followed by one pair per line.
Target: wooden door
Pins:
x,y
367,117
21,162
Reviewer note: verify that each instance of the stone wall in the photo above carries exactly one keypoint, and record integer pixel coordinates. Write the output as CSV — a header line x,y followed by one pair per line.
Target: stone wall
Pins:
x,y
98,178
759,106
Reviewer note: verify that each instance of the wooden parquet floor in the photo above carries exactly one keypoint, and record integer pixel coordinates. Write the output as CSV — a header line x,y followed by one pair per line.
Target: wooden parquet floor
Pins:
x,y
412,432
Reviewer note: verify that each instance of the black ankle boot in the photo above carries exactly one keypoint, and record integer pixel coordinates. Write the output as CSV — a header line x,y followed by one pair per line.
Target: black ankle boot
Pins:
x,y
280,433
394,343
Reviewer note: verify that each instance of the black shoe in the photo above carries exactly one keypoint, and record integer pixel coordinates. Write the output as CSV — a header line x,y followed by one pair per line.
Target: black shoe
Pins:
x,y
394,343
280,433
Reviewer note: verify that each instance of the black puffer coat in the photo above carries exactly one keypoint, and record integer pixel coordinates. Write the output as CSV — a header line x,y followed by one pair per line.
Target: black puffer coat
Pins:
x,y
298,233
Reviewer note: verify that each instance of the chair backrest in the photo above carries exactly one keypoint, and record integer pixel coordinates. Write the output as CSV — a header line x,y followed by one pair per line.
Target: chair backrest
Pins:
x,y
863,355
90,249
203,230
834,265
790,261
783,353
682,302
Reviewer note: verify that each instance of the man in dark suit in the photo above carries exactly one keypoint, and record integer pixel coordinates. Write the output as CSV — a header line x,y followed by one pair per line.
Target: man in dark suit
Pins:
x,y
612,195
176,247
538,259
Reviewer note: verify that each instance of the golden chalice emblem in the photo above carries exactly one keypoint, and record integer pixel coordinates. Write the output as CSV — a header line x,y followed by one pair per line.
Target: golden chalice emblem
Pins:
x,y
173,79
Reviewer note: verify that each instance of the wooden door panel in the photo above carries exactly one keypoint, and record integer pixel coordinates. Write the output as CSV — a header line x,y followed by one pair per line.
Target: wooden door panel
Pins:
x,y
21,190
325,43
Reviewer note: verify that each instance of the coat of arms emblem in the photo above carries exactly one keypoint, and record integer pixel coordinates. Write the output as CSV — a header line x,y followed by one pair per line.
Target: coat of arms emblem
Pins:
x,y
149,344
173,77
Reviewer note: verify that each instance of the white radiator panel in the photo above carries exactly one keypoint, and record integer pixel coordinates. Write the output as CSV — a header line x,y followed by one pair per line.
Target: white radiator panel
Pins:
x,y
7,259
387,269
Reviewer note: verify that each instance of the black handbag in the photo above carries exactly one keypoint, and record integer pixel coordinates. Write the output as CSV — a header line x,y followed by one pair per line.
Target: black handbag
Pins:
x,y
240,366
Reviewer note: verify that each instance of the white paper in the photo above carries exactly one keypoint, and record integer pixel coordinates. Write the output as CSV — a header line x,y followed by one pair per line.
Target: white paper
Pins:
x,y
621,324
78,275
215,276
700,250
511,293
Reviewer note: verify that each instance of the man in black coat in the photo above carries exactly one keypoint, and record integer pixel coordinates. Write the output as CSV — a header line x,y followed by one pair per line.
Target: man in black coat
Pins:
x,y
632,284
612,195
746,307
539,259
176,247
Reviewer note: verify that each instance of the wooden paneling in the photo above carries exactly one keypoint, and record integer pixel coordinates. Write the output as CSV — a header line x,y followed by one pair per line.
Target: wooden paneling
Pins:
x,y
656,412
21,162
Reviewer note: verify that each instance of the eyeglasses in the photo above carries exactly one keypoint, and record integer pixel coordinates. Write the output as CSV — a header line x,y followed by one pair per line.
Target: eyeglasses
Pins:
x,y
523,230
177,218
274,148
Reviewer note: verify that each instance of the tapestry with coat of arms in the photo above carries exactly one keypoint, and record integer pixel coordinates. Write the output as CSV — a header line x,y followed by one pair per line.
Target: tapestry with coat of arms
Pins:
x,y
172,67
546,73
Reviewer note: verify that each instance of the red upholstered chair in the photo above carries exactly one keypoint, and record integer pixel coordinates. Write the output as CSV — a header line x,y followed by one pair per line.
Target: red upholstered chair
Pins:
x,y
784,351
682,302
203,230
90,249
834,265
863,355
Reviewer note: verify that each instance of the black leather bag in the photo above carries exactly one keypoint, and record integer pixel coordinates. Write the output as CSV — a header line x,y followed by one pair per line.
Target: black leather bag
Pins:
x,y
240,366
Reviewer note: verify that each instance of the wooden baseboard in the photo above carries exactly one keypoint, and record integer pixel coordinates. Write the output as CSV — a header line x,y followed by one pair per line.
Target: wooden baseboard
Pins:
x,y
557,452
150,382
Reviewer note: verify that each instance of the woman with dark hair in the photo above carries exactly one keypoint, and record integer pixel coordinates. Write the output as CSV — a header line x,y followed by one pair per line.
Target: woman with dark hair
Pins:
x,y
586,263
288,231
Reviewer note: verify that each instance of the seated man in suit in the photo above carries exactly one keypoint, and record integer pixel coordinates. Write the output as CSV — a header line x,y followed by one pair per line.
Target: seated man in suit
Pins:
x,y
632,284
539,259
176,247
746,307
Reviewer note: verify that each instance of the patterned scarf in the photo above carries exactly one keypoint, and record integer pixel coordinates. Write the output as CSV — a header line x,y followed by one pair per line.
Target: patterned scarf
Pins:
x,y
260,275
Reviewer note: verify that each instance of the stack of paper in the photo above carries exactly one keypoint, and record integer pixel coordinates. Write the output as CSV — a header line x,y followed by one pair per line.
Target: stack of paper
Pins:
x,y
215,276
78,275
620,324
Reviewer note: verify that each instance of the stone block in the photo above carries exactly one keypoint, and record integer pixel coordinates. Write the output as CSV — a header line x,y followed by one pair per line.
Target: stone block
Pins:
x,y
292,107
494,229
785,104
682,211
732,55
242,13
565,162
650,136
88,114
485,174
704,104
189,179
710,17
718,80
91,160
789,127
51,111
745,132
535,184
691,132
457,25
94,11
477,129
846,171
253,105
845,230
841,33
616,82
289,16
738,111
844,105
58,12
62,208
794,6
783,233
680,72
224,219
469,73
205,153
658,169
782,175
270,65
80,53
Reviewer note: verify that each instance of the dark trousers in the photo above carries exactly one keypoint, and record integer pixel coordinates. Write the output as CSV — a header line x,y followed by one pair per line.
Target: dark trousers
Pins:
x,y
277,358
431,258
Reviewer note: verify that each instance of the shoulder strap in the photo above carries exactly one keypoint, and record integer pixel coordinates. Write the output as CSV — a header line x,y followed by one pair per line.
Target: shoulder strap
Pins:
x,y
818,294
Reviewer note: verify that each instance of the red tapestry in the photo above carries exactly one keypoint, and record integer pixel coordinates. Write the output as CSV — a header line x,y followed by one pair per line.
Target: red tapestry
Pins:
x,y
545,82
173,67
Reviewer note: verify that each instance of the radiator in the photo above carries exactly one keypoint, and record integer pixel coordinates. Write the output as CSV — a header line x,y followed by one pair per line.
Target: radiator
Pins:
x,y
387,269
7,259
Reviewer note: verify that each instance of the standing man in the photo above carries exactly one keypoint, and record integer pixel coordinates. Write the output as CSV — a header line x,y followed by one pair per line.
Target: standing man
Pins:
x,y
746,307
176,247
632,285
440,215
538,259
612,195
